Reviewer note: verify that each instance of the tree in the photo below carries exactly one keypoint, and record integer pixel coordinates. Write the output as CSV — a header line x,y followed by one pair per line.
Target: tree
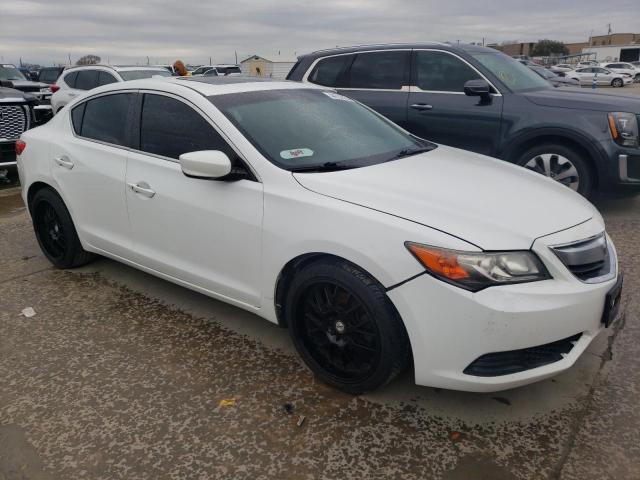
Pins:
x,y
548,48
88,60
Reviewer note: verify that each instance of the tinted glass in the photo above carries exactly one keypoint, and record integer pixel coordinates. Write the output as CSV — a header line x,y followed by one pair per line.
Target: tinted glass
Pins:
x,y
70,79
48,75
87,79
442,72
378,70
512,73
105,78
304,128
169,127
105,118
138,74
76,117
329,71
9,72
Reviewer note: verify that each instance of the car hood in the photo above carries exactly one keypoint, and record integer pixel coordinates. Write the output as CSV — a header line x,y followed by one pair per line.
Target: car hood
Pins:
x,y
585,100
487,202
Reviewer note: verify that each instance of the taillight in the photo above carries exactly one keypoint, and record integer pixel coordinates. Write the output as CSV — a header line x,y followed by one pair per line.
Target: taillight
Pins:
x,y
54,88
20,146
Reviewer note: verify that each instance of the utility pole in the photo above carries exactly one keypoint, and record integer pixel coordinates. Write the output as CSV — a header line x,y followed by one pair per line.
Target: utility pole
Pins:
x,y
236,52
608,29
69,59
210,61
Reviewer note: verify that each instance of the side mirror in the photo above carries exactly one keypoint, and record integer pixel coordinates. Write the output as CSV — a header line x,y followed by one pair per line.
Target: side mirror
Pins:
x,y
477,88
211,164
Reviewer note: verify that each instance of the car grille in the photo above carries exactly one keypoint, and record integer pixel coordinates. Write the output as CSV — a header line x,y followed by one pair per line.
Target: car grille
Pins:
x,y
13,121
591,260
514,361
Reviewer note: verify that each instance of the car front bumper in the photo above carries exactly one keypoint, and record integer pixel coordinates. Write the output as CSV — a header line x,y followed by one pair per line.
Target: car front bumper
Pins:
x,y
450,328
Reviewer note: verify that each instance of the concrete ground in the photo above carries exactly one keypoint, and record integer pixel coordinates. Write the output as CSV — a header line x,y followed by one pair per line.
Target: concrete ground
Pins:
x,y
122,375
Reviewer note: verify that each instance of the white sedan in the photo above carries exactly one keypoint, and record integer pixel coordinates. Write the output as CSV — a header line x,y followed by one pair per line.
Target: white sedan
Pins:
x,y
373,247
601,76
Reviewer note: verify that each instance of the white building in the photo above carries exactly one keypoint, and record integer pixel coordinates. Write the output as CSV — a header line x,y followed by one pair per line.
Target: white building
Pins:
x,y
258,66
614,53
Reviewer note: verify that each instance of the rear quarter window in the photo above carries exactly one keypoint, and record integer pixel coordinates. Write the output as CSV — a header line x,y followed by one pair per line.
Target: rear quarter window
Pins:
x,y
104,118
70,79
330,71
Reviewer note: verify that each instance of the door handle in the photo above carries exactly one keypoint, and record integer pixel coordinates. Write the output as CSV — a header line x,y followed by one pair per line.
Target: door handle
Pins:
x,y
142,188
64,161
422,106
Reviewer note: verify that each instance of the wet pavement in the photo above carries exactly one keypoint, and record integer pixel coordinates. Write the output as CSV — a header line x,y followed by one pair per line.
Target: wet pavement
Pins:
x,y
121,375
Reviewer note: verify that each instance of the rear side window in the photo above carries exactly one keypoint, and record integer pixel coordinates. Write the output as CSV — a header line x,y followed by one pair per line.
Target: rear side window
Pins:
x,y
70,79
379,70
169,127
105,78
330,71
105,118
76,117
48,75
87,79
441,72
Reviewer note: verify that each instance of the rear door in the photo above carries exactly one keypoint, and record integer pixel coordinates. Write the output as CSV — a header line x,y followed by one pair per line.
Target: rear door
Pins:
x,y
89,165
440,111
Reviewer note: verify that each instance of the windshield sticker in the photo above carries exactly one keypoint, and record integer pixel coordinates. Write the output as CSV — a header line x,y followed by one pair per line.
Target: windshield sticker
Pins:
x,y
337,96
296,153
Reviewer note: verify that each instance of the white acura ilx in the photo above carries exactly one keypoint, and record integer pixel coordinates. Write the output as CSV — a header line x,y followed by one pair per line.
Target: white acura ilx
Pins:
x,y
373,247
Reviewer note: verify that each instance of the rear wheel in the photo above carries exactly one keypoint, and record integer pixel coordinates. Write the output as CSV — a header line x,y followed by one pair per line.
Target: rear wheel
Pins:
x,y
55,231
617,82
345,327
561,164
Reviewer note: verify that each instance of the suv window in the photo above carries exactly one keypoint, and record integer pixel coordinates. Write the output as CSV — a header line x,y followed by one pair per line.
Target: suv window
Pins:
x,y
105,118
105,78
330,71
48,75
70,79
87,79
380,70
169,127
441,72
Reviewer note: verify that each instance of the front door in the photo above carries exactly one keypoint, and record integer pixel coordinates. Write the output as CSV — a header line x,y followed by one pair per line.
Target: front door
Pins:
x,y
438,109
206,233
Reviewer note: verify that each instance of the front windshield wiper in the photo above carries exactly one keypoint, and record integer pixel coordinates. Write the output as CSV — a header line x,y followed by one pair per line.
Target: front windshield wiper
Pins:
x,y
323,167
408,152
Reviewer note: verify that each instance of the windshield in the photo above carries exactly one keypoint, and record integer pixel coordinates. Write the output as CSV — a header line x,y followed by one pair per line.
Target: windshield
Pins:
x,y
300,129
511,72
9,72
138,74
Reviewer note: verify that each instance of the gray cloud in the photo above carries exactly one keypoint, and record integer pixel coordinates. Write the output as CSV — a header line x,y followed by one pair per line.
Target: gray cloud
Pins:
x,y
47,31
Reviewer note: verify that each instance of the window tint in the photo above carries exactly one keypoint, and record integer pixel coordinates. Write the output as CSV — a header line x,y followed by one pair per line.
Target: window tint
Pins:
x,y
169,127
87,79
442,72
76,117
105,78
70,79
328,72
105,118
48,75
378,70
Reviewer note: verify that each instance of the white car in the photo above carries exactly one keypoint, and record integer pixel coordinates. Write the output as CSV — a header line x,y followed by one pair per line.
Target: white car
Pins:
x,y
624,68
201,70
601,76
372,246
561,68
77,80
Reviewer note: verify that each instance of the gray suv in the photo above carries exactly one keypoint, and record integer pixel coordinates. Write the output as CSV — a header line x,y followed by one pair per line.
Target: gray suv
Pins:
x,y
479,99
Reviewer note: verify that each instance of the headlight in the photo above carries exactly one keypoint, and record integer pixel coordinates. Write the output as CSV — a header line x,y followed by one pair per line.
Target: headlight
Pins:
x,y
477,270
624,128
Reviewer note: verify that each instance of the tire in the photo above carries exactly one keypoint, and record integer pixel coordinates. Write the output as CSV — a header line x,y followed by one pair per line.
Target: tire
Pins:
x,y
559,162
55,231
617,83
344,327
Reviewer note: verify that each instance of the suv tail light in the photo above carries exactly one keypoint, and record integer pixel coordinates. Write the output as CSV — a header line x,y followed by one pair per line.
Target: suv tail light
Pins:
x,y
54,88
20,146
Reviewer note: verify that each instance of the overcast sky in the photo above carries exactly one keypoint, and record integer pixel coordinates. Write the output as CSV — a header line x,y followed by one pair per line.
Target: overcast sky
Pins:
x,y
47,31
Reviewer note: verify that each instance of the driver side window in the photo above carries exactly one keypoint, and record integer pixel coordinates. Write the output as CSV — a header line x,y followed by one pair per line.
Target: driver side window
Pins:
x,y
441,72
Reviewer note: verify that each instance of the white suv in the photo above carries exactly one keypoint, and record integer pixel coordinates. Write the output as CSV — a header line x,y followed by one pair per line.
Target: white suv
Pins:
x,y
77,80
624,68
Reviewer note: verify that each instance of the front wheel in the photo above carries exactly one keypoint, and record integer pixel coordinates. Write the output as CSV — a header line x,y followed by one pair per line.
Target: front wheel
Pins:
x,y
345,328
561,164
617,82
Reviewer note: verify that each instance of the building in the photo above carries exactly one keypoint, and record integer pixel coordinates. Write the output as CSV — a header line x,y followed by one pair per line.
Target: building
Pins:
x,y
576,48
518,49
614,39
258,66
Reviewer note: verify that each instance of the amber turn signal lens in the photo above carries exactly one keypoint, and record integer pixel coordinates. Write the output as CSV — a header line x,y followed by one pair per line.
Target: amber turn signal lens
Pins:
x,y
440,262
612,126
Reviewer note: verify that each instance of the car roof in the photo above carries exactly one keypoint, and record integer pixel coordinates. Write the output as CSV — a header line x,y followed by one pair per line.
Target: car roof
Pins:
x,y
118,68
401,46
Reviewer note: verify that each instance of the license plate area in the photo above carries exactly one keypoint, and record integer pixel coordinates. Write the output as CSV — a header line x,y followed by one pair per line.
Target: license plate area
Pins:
x,y
612,303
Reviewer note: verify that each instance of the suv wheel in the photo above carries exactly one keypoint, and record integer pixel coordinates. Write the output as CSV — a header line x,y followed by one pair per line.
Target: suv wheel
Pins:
x,y
345,327
617,82
560,163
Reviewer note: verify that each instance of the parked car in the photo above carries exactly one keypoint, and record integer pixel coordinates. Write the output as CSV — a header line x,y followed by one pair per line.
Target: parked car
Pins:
x,y
77,80
49,75
372,246
554,79
561,68
16,117
212,72
13,78
167,67
202,70
600,76
228,69
587,63
28,73
481,100
624,68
